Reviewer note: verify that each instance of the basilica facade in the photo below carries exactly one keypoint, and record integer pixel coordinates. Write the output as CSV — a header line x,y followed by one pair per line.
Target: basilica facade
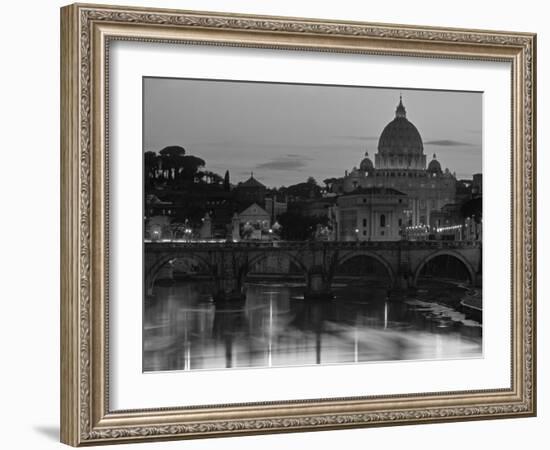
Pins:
x,y
399,191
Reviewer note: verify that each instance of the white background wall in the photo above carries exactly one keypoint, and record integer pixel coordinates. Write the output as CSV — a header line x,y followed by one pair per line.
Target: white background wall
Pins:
x,y
29,225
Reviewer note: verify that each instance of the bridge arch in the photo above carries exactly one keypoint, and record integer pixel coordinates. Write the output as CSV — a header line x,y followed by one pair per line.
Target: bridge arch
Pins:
x,y
452,253
153,271
354,254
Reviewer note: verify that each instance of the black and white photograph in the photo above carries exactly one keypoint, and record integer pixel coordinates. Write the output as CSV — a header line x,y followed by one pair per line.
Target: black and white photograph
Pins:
x,y
291,224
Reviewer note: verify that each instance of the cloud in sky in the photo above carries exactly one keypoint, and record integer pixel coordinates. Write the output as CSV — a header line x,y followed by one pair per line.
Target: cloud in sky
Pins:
x,y
288,162
448,143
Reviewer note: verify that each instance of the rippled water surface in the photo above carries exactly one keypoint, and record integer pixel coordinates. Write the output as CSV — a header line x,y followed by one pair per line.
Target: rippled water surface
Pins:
x,y
275,326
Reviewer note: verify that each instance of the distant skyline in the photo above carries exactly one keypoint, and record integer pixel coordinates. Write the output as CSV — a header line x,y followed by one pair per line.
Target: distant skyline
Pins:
x,y
285,133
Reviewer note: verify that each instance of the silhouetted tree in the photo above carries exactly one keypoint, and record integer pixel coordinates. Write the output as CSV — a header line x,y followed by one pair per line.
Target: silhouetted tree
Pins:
x,y
329,183
170,161
179,170
172,151
213,177
226,184
150,161
189,168
297,227
303,190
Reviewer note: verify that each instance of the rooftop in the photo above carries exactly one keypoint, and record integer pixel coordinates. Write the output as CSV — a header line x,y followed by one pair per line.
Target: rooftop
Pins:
x,y
251,182
376,191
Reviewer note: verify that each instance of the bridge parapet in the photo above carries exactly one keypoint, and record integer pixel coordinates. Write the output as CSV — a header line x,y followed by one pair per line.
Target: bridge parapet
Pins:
x,y
313,245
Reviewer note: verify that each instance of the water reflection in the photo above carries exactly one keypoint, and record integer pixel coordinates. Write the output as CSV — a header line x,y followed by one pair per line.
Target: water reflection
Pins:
x,y
275,326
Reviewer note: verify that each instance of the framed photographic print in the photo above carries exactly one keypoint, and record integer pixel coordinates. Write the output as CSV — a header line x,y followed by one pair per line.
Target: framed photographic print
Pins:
x,y
275,224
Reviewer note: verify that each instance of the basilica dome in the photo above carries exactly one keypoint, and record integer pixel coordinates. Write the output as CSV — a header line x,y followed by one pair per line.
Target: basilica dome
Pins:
x,y
434,166
400,137
366,164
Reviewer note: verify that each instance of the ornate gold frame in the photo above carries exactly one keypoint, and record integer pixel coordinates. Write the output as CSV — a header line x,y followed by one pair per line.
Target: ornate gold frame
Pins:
x,y
86,31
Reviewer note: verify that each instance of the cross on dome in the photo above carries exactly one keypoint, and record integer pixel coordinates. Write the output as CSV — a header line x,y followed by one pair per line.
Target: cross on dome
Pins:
x,y
400,111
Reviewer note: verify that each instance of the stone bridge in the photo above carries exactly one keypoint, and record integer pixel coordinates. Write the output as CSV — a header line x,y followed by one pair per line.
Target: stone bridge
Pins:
x,y
229,263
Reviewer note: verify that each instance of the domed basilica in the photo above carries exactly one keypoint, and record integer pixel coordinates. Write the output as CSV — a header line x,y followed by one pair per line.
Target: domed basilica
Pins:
x,y
377,201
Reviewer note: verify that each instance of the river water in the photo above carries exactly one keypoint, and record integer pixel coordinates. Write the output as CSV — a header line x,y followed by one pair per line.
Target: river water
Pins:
x,y
184,330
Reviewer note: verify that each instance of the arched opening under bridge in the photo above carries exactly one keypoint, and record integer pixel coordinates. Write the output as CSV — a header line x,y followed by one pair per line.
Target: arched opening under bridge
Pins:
x,y
168,269
444,266
365,267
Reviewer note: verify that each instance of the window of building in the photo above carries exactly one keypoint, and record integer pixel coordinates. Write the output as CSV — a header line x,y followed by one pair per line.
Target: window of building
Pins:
x,y
364,222
400,222
382,220
364,232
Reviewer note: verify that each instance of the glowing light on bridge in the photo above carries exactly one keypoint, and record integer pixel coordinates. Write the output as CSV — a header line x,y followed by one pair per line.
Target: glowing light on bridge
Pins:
x,y
450,228
417,227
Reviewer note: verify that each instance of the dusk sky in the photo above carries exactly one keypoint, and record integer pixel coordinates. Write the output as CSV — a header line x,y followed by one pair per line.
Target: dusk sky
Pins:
x,y
285,133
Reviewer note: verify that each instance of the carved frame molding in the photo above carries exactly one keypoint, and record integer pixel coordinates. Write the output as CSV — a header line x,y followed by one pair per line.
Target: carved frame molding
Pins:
x,y
86,32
